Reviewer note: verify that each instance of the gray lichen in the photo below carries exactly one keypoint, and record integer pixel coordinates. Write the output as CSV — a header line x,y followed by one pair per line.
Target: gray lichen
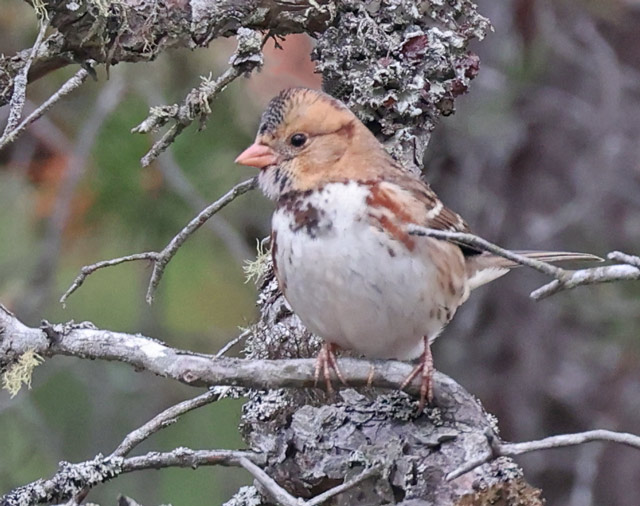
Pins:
x,y
67,482
246,496
400,64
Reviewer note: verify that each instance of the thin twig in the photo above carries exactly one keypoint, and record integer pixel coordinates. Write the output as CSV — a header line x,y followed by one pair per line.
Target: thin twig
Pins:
x,y
178,182
74,82
20,84
162,420
478,242
90,269
170,250
319,499
624,258
563,279
160,259
595,275
196,104
276,491
500,449
233,342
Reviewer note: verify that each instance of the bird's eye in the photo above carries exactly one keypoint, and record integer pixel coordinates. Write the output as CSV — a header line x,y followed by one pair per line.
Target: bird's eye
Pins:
x,y
298,140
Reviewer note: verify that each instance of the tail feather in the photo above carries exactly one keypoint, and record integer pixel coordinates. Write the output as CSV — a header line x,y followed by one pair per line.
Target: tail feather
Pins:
x,y
486,267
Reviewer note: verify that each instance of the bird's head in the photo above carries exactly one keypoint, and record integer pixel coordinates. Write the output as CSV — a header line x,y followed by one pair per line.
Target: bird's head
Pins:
x,y
307,138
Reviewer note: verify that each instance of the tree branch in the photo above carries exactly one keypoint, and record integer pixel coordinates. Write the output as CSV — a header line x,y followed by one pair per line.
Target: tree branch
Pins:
x,y
248,56
564,279
195,369
497,448
20,85
162,420
140,30
161,258
74,82
72,479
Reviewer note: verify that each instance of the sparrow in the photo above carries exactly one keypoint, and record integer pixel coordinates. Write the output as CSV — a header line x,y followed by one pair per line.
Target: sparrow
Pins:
x,y
342,254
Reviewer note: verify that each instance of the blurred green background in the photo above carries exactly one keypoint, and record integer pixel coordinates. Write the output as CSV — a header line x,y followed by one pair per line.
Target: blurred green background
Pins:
x,y
542,153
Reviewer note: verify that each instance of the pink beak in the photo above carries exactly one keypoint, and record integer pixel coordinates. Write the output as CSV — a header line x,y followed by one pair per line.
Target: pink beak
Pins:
x,y
257,155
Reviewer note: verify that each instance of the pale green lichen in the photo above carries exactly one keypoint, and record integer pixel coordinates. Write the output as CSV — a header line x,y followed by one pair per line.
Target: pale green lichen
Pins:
x,y
20,372
254,270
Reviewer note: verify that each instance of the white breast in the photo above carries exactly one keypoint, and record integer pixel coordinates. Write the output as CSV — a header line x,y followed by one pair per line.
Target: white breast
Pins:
x,y
349,282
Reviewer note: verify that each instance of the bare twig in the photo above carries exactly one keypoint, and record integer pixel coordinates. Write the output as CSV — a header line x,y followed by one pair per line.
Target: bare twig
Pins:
x,y
197,103
478,242
285,498
162,420
564,279
618,256
160,259
75,81
90,269
591,276
319,499
176,179
270,485
20,85
233,342
497,448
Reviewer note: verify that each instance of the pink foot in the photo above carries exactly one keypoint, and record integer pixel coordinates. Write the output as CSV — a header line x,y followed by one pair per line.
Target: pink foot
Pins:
x,y
325,362
425,370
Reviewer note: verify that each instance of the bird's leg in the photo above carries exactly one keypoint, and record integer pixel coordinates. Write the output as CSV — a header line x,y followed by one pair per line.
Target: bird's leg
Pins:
x,y
325,362
425,370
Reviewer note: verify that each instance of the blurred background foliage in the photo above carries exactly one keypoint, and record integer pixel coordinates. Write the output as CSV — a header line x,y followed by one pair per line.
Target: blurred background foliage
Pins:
x,y
542,153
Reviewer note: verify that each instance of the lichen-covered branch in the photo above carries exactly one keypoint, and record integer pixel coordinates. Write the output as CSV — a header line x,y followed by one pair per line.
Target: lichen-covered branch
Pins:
x,y
72,479
140,30
20,85
76,80
196,105
146,354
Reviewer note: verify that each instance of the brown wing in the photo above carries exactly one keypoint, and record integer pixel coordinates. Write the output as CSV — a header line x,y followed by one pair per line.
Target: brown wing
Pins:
x,y
432,213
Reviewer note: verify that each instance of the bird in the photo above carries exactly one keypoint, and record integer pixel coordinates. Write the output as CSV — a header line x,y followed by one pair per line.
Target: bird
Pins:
x,y
342,253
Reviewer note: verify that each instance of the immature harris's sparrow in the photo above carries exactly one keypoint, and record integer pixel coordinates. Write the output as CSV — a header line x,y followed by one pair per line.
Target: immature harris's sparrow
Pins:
x,y
341,251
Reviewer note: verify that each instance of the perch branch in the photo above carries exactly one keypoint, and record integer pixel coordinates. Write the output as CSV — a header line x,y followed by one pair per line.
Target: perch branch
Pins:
x,y
160,259
564,279
497,448
142,353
